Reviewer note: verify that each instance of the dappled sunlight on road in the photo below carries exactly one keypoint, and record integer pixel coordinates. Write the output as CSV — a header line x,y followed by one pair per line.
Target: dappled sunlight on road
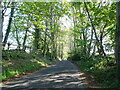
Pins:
x,y
56,76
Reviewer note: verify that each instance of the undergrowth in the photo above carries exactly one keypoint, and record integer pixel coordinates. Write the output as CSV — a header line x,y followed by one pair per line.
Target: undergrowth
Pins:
x,y
102,68
15,63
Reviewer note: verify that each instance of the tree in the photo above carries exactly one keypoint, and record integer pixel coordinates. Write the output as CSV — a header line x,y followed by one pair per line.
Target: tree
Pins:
x,y
1,27
9,24
117,39
99,42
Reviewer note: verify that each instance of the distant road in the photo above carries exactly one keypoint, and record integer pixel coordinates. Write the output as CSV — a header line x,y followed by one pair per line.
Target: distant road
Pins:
x,y
63,74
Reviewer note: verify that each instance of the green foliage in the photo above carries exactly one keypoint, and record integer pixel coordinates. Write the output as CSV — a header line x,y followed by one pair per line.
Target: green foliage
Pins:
x,y
17,62
14,54
11,72
77,55
46,38
103,70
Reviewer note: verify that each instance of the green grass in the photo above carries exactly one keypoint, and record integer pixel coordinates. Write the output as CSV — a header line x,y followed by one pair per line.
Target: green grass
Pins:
x,y
22,62
12,71
103,70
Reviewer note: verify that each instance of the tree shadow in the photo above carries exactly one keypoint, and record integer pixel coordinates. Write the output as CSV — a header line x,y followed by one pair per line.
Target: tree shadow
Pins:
x,y
56,76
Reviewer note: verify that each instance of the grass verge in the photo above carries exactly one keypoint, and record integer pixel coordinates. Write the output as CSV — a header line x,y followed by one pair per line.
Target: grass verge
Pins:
x,y
18,65
101,70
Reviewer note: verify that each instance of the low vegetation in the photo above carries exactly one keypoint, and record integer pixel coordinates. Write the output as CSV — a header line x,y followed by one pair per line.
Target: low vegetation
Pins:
x,y
103,69
17,62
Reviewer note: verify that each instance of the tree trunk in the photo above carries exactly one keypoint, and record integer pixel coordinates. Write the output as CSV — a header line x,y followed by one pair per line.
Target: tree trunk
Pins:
x,y
84,43
117,40
1,33
74,26
91,39
61,51
1,36
36,38
9,25
94,49
25,38
84,34
1,27
45,38
99,45
17,37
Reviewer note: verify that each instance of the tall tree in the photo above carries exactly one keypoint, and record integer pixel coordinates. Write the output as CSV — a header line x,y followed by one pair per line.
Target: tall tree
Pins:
x,y
17,37
1,24
36,38
1,27
1,35
117,40
9,24
101,31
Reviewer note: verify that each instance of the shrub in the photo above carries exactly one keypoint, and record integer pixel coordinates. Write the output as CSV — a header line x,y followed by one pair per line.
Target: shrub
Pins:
x,y
103,69
78,56
14,54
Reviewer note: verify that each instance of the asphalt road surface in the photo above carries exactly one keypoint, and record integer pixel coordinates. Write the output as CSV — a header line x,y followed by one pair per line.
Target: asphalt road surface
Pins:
x,y
63,74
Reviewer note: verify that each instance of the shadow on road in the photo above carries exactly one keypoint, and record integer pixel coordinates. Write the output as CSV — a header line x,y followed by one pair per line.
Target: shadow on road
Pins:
x,y
63,74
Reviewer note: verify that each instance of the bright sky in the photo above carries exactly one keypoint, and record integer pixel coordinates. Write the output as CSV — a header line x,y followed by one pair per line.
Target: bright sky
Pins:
x,y
67,22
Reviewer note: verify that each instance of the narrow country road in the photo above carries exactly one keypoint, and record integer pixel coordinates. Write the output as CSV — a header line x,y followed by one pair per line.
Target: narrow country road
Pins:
x,y
63,74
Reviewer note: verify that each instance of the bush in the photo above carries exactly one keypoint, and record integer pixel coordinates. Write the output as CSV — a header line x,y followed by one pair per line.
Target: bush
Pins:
x,y
14,54
78,56
103,69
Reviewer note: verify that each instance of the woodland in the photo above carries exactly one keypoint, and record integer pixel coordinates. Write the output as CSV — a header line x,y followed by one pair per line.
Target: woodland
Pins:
x,y
37,34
